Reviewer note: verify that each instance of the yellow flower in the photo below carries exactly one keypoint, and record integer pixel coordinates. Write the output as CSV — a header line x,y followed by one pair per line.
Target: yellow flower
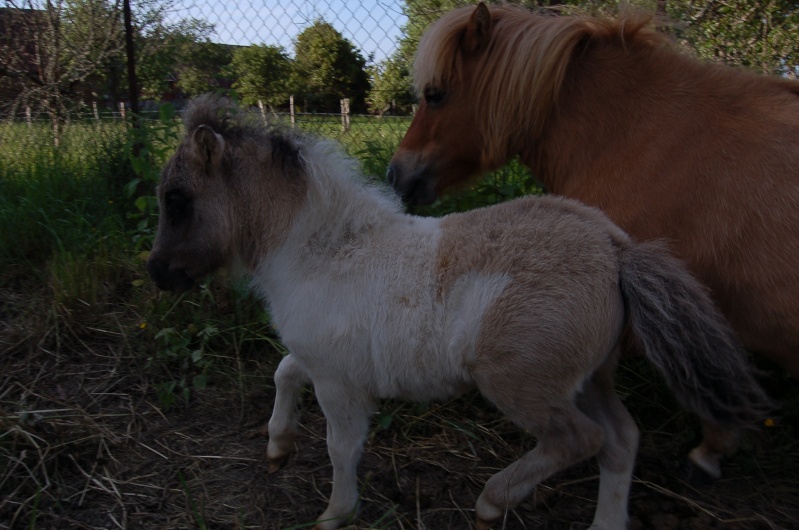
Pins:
x,y
143,325
769,422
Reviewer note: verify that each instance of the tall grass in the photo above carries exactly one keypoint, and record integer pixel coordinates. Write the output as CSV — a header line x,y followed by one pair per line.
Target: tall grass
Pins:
x,y
59,200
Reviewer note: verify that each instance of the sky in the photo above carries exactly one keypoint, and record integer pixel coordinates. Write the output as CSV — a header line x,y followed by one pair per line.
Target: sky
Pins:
x,y
373,26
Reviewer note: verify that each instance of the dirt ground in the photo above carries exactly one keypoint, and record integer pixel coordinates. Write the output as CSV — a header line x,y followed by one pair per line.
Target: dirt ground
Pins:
x,y
84,444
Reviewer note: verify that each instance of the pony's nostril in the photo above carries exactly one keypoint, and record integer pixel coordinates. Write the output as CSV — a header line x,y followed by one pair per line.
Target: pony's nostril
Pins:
x,y
391,175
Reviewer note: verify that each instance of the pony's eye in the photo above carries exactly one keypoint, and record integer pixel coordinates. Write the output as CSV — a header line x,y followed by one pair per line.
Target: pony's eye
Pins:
x,y
178,205
434,97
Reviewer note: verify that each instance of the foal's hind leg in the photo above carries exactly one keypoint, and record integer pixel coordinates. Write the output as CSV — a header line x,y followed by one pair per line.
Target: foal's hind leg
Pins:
x,y
617,455
716,444
290,379
565,436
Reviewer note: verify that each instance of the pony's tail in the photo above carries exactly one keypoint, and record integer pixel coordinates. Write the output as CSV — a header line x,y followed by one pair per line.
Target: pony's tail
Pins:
x,y
685,336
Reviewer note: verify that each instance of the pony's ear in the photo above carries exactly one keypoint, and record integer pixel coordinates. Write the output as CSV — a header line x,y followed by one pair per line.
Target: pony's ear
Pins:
x,y
207,145
478,29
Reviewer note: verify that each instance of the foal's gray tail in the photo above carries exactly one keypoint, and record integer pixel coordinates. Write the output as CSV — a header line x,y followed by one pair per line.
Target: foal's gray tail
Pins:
x,y
682,333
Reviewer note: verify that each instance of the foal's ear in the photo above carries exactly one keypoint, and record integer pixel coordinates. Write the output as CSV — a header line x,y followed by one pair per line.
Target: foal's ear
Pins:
x,y
207,145
478,29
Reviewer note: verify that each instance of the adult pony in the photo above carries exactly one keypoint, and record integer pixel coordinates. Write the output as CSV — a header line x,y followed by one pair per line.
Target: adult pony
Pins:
x,y
702,156
525,301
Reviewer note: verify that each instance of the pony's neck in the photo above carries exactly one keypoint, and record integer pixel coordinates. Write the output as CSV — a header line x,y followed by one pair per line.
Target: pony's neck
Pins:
x,y
615,105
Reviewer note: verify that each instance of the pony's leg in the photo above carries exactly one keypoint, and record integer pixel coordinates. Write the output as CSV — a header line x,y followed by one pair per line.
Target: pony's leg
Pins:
x,y
347,411
617,455
290,379
565,436
716,443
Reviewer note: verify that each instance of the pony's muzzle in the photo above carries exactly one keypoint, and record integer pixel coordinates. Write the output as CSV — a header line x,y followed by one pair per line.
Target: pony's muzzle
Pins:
x,y
414,187
168,279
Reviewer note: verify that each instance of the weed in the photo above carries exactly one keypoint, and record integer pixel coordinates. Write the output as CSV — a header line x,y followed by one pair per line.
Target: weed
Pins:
x,y
154,142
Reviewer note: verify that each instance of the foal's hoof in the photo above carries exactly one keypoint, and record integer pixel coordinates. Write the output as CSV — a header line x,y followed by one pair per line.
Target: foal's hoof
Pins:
x,y
706,467
697,475
275,464
482,524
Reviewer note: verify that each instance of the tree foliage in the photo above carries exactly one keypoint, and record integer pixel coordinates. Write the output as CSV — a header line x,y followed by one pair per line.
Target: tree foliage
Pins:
x,y
762,36
203,67
50,50
57,55
263,73
757,35
328,68
163,48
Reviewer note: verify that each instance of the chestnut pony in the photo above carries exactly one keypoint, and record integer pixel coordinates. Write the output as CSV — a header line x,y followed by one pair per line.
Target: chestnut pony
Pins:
x,y
703,156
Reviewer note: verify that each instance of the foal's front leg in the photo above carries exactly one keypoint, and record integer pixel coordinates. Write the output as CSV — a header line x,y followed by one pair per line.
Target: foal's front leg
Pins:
x,y
290,379
347,410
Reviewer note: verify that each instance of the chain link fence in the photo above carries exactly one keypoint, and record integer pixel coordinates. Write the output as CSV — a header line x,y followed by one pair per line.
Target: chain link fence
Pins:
x,y
48,96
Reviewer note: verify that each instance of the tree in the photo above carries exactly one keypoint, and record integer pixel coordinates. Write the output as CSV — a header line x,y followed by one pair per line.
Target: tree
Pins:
x,y
162,48
391,88
392,80
329,68
263,73
52,51
761,36
758,35
203,67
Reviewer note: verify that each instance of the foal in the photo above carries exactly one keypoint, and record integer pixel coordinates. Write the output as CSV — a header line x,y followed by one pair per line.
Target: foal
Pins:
x,y
525,301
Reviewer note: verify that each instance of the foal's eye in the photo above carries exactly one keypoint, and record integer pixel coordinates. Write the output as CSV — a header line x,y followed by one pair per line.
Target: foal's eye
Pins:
x,y
178,204
434,97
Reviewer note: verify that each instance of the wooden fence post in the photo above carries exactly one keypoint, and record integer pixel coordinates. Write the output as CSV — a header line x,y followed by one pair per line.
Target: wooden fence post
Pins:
x,y
345,114
96,112
28,117
262,107
122,109
291,109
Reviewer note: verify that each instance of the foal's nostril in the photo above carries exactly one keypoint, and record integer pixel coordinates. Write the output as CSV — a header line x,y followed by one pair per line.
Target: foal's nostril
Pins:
x,y
156,268
168,279
391,175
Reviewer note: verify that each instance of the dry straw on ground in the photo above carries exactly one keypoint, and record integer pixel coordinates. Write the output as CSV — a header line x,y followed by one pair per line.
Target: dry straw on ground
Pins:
x,y
84,444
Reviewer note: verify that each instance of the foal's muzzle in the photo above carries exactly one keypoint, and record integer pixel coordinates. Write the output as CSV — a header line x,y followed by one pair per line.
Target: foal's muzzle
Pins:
x,y
167,279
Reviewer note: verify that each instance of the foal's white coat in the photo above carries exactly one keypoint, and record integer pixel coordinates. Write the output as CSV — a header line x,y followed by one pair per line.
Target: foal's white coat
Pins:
x,y
525,301
355,296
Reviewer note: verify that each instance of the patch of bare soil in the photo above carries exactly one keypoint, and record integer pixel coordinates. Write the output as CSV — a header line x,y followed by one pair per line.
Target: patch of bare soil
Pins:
x,y
84,444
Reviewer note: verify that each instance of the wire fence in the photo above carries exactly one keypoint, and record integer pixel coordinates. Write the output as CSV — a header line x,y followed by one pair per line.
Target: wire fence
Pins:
x,y
373,28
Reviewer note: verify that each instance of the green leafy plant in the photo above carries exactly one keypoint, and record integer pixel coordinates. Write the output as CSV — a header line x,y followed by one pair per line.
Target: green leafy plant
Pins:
x,y
187,350
150,145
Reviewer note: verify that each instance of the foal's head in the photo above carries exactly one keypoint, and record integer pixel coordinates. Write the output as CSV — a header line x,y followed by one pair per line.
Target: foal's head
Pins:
x,y
227,193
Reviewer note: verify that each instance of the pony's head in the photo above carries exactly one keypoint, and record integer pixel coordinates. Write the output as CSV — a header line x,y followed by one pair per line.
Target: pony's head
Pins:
x,y
226,180
488,79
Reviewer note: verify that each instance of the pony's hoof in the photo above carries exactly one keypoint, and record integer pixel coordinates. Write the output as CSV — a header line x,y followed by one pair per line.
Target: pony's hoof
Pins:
x,y
482,524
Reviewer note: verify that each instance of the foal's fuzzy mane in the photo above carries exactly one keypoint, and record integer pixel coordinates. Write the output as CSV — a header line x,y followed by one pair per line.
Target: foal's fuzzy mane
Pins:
x,y
329,173
236,126
528,54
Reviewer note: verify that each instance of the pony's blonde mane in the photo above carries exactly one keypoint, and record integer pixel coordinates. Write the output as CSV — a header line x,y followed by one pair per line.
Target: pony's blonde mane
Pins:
x,y
528,53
